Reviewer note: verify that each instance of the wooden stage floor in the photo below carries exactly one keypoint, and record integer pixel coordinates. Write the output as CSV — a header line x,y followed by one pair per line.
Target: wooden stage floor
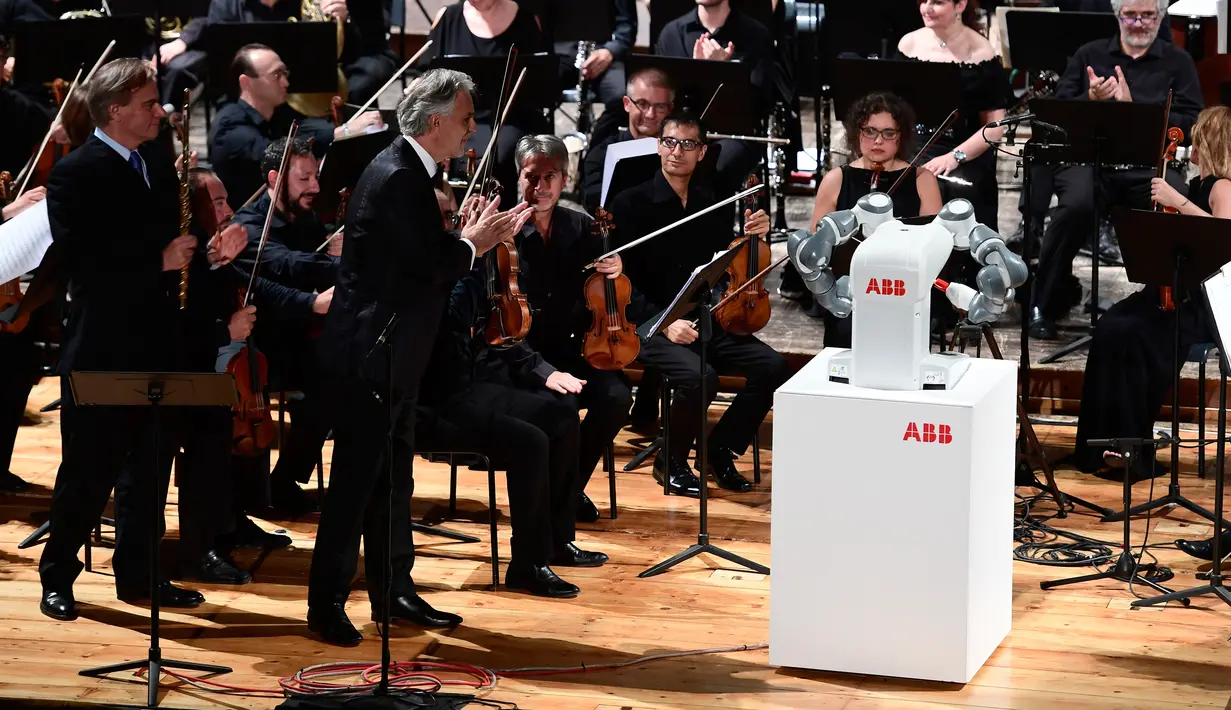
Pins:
x,y
1077,647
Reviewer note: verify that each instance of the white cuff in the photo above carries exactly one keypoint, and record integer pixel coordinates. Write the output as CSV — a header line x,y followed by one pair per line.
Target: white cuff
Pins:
x,y
473,251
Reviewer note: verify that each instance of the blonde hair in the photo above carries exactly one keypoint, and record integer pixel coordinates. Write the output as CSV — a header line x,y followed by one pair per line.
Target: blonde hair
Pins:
x,y
1212,140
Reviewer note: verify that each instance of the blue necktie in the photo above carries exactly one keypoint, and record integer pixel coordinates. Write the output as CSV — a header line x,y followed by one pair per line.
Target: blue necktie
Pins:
x,y
134,159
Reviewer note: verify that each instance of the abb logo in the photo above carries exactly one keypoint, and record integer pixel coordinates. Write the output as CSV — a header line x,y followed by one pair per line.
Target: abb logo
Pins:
x,y
887,287
931,433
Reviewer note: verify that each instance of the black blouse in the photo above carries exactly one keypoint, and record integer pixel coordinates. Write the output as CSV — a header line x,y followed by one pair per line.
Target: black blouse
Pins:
x,y
857,182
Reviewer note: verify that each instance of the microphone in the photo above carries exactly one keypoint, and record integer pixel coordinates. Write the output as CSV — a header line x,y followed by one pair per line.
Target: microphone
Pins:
x,y
1034,123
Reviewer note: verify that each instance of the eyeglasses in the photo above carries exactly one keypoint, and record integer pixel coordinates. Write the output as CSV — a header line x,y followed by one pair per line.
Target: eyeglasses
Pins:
x,y
644,106
282,73
687,144
889,134
1144,19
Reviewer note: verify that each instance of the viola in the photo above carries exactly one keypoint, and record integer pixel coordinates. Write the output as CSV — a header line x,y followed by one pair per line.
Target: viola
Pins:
x,y
509,319
611,343
1171,141
750,311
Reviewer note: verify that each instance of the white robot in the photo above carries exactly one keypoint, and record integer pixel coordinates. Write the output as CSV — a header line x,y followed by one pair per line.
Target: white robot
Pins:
x,y
887,291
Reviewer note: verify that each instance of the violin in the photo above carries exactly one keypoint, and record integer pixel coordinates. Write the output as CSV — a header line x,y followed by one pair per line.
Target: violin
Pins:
x,y
509,319
1171,141
611,343
10,291
749,312
252,428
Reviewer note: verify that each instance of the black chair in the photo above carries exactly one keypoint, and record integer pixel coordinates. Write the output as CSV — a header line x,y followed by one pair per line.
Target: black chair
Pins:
x,y
430,453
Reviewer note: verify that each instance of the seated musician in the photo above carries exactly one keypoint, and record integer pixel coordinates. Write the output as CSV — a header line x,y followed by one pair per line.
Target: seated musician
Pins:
x,y
603,69
1131,361
291,259
880,134
1135,66
554,249
366,58
243,129
716,31
498,403
23,122
182,61
659,269
211,507
488,28
648,99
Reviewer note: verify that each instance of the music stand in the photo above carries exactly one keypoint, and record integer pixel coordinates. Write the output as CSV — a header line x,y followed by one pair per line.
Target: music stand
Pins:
x,y
539,88
1100,133
154,390
1179,251
1213,289
1059,35
695,82
54,49
344,162
309,50
933,89
697,294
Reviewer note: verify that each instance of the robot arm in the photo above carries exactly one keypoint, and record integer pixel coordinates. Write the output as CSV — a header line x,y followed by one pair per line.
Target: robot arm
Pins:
x,y
812,252
1002,270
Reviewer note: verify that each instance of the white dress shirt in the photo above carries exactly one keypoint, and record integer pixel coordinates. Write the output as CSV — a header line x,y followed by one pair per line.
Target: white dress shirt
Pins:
x,y
124,152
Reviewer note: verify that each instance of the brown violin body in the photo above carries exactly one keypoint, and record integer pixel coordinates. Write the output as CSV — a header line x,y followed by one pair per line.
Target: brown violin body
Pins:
x,y
748,312
1174,136
611,343
252,428
10,292
509,320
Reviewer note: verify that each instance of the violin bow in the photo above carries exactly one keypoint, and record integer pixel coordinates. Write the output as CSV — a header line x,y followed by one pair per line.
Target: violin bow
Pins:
x,y
502,109
29,171
943,127
711,103
727,298
329,239
396,75
273,206
734,198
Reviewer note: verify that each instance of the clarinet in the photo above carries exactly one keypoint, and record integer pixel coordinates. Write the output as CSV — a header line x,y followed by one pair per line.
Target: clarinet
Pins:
x,y
584,115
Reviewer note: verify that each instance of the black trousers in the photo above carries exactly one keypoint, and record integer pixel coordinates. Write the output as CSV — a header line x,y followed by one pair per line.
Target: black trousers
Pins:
x,y
607,398
369,493
1072,224
309,429
607,90
206,481
1131,368
762,366
533,435
183,72
366,74
21,372
105,448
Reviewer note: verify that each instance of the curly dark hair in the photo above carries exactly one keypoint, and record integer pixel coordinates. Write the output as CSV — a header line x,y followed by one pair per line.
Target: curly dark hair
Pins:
x,y
875,103
970,16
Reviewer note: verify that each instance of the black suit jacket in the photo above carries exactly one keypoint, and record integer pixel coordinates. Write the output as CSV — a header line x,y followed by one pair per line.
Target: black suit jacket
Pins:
x,y
110,230
398,269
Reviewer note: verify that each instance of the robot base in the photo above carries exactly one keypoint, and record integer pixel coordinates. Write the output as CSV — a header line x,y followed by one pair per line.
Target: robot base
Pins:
x,y
937,371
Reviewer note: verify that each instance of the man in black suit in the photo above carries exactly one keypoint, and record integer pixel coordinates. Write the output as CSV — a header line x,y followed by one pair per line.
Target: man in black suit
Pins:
x,y
114,213
398,268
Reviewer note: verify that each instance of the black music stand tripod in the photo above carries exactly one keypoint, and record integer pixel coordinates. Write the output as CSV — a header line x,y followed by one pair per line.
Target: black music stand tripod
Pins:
x,y
697,294
1179,251
155,390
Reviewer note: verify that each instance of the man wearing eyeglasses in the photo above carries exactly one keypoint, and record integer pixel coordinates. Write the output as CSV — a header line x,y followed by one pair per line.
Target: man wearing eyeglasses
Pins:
x,y
659,268
243,129
1135,66
648,99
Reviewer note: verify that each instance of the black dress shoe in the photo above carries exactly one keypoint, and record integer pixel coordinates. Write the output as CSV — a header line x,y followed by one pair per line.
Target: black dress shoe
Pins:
x,y
57,605
12,483
572,556
1204,549
1042,327
682,481
414,609
331,623
722,465
587,512
216,568
540,581
287,498
248,534
169,596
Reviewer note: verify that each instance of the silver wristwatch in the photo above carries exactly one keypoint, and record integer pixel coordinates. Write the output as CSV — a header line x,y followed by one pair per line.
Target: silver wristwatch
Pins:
x,y
959,156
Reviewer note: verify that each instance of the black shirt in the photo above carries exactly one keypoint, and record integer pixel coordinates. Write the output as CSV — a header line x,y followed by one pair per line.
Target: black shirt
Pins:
x,y
290,257
753,44
660,267
241,135
553,280
1162,68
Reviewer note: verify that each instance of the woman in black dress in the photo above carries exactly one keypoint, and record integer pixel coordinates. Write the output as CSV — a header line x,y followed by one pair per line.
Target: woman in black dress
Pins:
x,y
880,135
963,151
488,28
1131,361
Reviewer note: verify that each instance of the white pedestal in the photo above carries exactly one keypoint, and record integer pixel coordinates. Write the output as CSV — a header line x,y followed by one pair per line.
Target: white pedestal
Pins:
x,y
891,551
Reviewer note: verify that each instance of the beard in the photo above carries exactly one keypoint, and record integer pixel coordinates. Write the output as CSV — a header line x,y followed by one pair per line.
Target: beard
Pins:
x,y
1140,39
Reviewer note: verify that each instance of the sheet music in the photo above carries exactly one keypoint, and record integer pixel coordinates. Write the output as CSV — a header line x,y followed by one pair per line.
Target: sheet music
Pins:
x,y
1217,290
657,323
23,242
625,149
